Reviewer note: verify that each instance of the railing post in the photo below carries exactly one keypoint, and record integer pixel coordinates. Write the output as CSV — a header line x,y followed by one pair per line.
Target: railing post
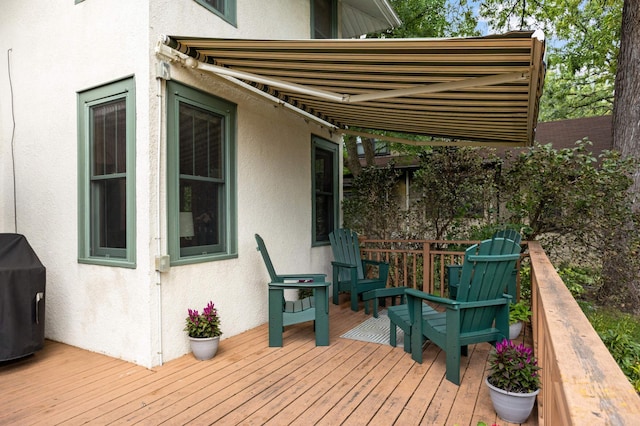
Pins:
x,y
426,268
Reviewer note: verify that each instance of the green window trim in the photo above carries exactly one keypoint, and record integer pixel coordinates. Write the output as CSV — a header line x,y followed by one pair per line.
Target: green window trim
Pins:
x,y
200,184
325,189
105,109
226,9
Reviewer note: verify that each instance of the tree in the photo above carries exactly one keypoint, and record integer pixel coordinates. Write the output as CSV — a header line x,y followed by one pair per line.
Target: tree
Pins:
x,y
584,41
620,276
566,193
455,184
372,208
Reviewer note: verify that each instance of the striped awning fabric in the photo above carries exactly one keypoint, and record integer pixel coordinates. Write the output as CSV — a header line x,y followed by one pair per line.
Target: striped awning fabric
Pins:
x,y
482,90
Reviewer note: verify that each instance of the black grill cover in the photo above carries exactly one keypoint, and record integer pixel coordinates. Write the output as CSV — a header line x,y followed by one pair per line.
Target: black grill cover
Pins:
x,y
22,291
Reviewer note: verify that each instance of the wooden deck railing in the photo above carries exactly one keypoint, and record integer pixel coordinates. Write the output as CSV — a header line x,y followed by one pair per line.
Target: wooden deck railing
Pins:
x,y
581,382
420,264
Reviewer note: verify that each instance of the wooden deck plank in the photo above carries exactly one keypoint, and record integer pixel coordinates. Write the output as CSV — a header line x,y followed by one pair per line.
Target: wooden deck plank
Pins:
x,y
426,391
377,398
312,368
466,398
223,372
347,382
348,361
356,386
259,371
400,396
291,398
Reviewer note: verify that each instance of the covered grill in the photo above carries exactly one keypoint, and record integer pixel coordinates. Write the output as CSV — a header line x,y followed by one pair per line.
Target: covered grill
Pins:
x,y
22,291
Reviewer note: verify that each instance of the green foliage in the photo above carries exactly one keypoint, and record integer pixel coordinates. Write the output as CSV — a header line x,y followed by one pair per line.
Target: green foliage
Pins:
x,y
372,208
525,280
625,351
432,18
205,324
487,230
519,311
576,278
548,189
620,333
582,58
514,368
453,184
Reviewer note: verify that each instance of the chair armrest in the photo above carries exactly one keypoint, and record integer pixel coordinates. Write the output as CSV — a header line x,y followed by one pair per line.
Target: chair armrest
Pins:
x,y
430,297
302,277
343,265
483,303
313,284
383,292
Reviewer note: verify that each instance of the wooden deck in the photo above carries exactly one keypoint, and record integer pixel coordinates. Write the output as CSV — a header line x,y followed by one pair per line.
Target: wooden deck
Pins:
x,y
349,382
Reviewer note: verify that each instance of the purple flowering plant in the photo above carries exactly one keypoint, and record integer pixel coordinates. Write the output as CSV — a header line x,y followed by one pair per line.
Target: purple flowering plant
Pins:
x,y
514,368
205,324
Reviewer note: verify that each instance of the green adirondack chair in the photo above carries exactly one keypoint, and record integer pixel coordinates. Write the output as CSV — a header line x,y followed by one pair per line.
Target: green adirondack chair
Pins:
x,y
286,312
454,271
349,268
479,314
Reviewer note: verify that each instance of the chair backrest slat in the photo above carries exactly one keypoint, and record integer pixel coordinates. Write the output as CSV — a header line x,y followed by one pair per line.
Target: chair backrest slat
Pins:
x,y
262,248
486,271
509,234
346,249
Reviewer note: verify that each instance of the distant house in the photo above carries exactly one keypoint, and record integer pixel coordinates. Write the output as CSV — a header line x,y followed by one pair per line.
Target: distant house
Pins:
x,y
150,140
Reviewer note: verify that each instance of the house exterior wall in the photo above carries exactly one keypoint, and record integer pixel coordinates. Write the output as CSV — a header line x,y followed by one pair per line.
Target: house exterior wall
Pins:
x,y
137,314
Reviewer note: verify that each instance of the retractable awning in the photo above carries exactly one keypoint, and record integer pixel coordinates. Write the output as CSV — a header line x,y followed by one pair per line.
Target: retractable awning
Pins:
x,y
482,90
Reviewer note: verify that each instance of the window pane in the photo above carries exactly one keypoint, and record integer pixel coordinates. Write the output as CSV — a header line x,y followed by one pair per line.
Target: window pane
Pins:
x,y
109,219
199,213
324,171
217,5
322,18
325,197
324,217
201,136
109,138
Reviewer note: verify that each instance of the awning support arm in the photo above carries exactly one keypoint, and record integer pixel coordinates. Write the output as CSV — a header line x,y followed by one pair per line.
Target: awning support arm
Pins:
x,y
440,87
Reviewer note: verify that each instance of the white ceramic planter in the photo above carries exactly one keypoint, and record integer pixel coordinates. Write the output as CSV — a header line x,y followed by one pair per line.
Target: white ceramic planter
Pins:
x,y
204,348
511,407
514,330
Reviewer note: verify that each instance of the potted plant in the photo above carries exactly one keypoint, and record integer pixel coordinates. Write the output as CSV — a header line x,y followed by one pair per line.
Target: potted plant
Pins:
x,y
204,331
513,381
518,313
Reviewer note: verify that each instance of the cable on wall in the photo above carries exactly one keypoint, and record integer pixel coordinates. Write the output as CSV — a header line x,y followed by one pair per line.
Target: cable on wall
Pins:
x,y
13,154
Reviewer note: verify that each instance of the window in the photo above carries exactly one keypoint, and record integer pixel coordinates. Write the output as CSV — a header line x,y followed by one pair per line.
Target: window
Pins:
x,y
324,19
226,9
325,189
379,147
201,176
106,166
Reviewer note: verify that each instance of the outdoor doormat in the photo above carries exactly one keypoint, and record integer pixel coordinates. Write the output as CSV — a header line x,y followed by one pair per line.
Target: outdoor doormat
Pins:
x,y
374,330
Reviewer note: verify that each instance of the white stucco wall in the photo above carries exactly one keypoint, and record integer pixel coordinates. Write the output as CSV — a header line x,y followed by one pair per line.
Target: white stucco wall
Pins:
x,y
59,48
274,181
